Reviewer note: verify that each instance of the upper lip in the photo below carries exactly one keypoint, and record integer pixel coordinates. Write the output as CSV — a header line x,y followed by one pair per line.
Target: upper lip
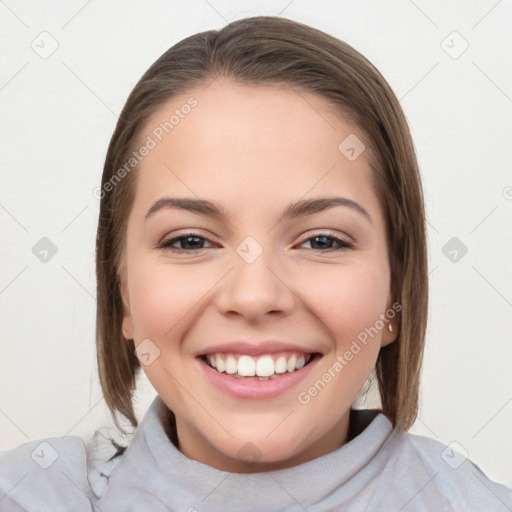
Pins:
x,y
254,349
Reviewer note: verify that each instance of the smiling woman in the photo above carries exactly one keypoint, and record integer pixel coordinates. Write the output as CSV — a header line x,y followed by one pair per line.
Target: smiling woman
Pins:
x,y
255,299
263,259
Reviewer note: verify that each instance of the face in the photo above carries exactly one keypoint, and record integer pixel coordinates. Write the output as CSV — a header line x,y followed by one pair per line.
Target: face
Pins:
x,y
316,281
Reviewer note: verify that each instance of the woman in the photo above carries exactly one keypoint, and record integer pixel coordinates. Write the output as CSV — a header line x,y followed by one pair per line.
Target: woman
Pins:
x,y
261,253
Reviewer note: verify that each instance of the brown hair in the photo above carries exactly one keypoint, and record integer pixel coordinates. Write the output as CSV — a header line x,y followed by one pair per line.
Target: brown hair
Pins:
x,y
273,50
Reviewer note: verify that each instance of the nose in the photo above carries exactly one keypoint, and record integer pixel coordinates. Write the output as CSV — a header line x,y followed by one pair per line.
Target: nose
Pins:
x,y
256,288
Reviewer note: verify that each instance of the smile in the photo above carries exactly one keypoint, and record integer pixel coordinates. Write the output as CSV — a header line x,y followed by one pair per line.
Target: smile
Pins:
x,y
262,367
246,382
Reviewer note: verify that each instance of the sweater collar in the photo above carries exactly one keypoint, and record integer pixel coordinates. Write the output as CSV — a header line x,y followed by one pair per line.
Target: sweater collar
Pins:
x,y
309,482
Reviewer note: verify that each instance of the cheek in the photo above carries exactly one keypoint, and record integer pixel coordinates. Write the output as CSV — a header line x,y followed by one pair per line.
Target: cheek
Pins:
x,y
162,296
350,300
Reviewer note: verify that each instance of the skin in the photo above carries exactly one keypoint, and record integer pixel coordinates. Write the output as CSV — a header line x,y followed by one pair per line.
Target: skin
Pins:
x,y
255,149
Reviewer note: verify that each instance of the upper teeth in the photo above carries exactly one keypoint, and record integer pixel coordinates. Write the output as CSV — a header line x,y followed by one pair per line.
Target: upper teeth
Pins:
x,y
262,366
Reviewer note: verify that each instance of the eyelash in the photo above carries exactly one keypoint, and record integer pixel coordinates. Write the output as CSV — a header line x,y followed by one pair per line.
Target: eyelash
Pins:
x,y
165,245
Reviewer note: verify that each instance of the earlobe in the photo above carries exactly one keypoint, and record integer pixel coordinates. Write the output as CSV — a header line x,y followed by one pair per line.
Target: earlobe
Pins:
x,y
128,328
127,325
390,330
389,334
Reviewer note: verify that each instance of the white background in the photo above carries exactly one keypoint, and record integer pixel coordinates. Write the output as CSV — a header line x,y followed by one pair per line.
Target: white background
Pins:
x,y
57,115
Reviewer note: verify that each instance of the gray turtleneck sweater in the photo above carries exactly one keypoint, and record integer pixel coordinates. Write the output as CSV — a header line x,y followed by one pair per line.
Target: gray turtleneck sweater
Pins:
x,y
378,470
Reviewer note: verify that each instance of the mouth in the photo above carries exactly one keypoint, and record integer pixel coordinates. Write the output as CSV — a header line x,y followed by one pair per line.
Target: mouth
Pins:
x,y
262,368
265,377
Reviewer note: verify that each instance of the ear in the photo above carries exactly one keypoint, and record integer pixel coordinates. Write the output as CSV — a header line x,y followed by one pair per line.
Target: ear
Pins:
x,y
389,336
127,325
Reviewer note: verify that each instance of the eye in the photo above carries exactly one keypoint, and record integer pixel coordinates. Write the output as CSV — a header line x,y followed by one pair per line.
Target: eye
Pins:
x,y
190,242
325,239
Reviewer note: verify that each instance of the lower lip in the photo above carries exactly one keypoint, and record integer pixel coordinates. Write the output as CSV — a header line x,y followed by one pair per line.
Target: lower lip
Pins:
x,y
257,389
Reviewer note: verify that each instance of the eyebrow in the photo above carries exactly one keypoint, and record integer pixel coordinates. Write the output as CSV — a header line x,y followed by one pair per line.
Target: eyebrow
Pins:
x,y
292,211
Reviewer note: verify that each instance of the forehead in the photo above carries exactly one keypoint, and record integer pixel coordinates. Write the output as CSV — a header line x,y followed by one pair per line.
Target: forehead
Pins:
x,y
228,114
261,144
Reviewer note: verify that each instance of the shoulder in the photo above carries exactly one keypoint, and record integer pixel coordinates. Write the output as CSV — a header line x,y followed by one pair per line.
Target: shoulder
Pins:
x,y
50,473
445,473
